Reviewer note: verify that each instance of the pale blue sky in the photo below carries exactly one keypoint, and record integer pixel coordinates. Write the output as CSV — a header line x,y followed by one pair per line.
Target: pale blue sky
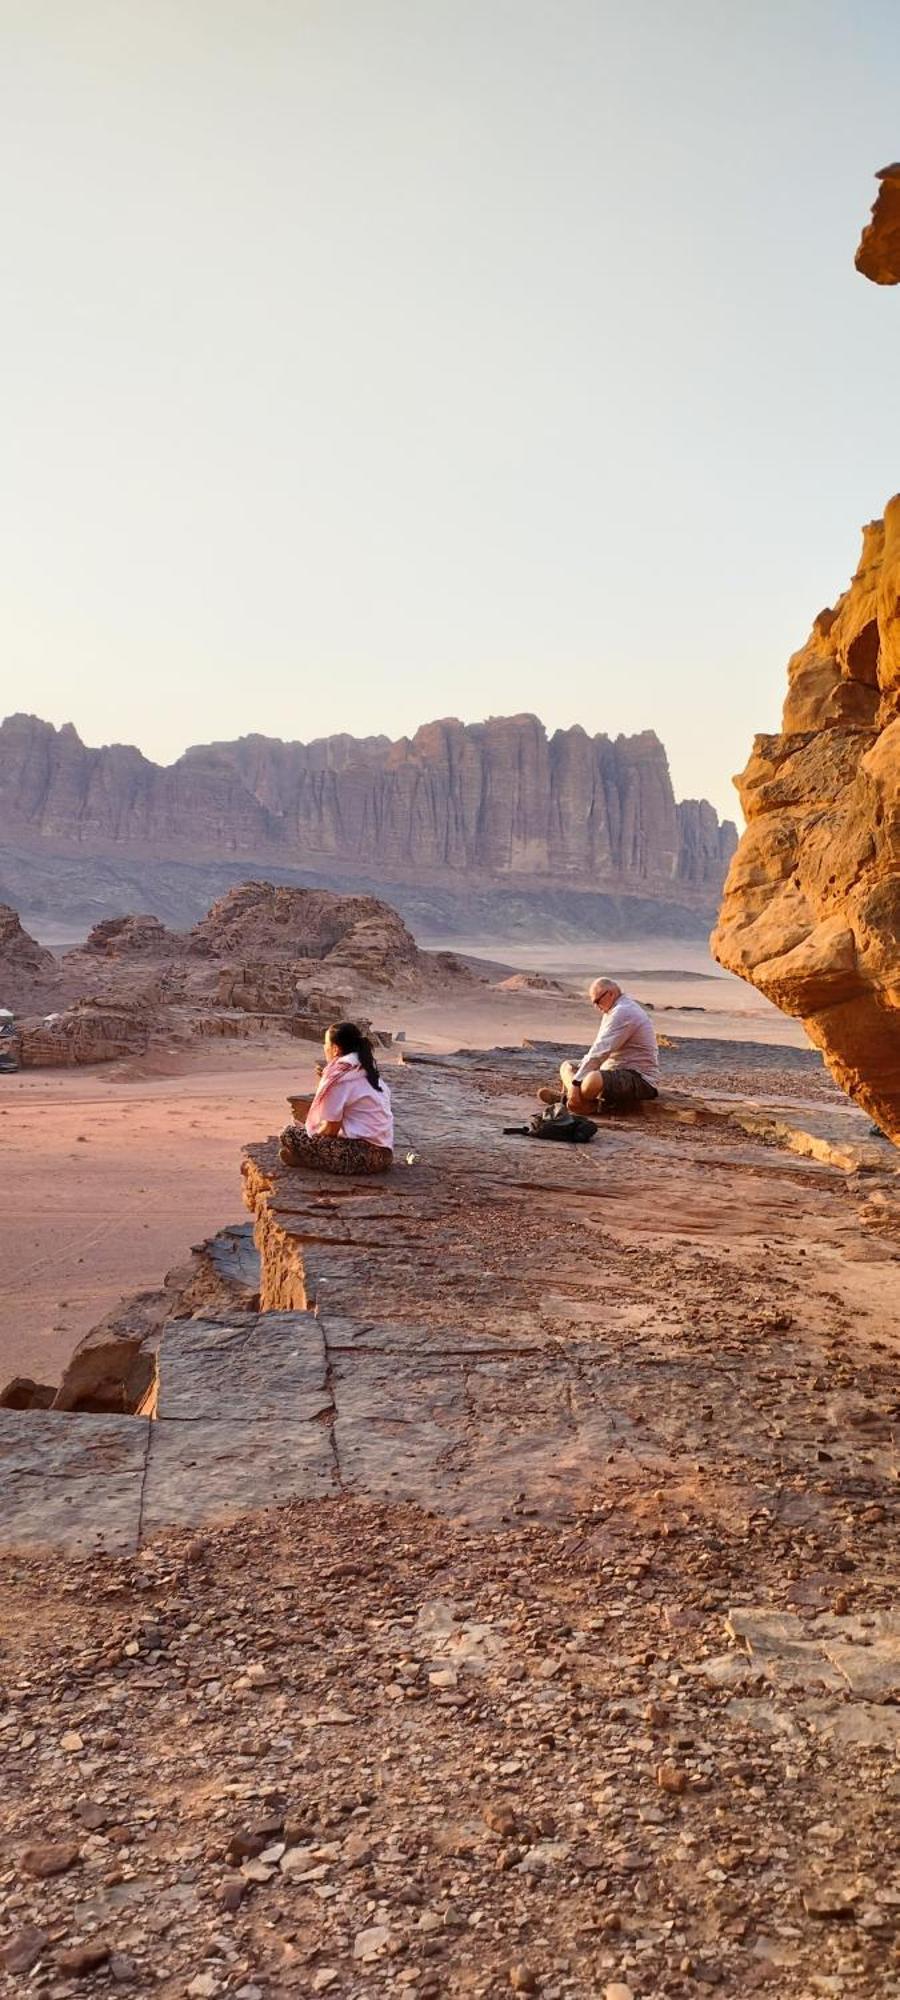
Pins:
x,y
367,361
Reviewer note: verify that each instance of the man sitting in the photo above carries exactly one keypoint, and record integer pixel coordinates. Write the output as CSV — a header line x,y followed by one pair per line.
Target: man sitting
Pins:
x,y
621,1068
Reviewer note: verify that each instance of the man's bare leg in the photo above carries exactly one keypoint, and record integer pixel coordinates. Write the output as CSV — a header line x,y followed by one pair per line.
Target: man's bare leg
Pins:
x,y
584,1096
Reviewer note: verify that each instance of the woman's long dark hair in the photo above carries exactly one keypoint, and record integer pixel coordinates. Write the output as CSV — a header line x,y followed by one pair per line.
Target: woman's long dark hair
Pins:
x,y
347,1037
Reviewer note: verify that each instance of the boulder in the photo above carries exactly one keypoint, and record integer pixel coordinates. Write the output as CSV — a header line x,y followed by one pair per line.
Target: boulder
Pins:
x,y
113,1369
811,907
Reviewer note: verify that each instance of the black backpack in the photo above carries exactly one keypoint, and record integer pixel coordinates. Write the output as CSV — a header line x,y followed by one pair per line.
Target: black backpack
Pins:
x,y
558,1123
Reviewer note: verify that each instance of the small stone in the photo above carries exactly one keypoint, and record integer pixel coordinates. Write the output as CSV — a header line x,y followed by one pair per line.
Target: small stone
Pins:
x,y
257,1871
232,1892
131,1649
261,1677
357,1850
834,1900
522,1979
81,1959
616,1990
22,1951
443,1677
92,1815
370,1943
297,1860
203,1986
501,1820
244,1846
325,1977
50,1858
670,1779
123,1970
71,1742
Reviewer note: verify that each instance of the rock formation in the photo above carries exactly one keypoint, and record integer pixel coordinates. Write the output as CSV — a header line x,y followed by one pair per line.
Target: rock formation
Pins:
x,y
264,955
28,973
132,937
811,910
91,1031
264,921
498,801
878,256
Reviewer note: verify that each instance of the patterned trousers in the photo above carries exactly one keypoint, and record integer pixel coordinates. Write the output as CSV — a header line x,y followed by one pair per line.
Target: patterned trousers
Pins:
x,y
333,1156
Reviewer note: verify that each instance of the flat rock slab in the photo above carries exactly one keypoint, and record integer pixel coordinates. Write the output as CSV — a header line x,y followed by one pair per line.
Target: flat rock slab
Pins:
x,y
856,1655
214,1471
71,1482
266,1365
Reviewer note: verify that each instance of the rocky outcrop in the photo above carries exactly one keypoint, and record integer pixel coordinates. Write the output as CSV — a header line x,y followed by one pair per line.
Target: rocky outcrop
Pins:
x,y
498,801
263,921
811,910
28,973
878,256
92,1031
132,937
273,947
263,955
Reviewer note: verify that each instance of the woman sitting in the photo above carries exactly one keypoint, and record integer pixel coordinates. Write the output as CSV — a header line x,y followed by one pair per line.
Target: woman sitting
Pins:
x,y
349,1128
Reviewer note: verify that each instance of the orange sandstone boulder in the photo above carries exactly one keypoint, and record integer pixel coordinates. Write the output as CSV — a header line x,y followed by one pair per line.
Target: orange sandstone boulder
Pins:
x,y
811,908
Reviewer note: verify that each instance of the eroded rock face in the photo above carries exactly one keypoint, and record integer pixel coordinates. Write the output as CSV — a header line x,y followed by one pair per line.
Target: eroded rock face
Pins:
x,y
132,937
811,910
90,1032
27,971
878,256
499,799
269,935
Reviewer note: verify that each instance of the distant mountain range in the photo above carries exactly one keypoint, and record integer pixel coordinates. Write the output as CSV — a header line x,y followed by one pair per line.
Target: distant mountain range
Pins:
x,y
442,823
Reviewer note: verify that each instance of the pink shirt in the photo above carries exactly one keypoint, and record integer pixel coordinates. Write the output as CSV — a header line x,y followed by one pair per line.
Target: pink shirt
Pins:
x,y
345,1093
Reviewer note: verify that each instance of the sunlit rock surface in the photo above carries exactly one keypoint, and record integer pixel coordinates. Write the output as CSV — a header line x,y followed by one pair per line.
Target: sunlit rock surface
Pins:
x,y
878,256
811,911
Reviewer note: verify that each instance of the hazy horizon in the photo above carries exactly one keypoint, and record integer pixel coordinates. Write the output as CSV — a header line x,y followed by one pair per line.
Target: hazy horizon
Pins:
x,y
371,362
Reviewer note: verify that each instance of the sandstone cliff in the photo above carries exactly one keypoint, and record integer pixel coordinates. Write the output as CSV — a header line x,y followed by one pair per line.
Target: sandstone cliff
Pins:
x,y
494,802
811,911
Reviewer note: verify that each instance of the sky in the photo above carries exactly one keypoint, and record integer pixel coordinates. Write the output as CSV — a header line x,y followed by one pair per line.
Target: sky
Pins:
x,y
370,361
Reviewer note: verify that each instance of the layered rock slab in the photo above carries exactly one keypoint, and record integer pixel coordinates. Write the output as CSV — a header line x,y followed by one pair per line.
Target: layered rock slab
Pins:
x,y
811,908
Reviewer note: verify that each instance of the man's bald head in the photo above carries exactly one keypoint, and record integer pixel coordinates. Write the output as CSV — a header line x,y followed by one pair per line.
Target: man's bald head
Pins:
x,y
604,993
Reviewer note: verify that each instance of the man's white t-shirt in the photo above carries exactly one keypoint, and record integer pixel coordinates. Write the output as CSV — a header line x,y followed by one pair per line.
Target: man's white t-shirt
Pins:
x,y
626,1041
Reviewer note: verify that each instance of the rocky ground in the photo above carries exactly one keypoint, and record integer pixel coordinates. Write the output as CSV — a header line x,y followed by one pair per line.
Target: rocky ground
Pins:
x,y
355,1750
635,1734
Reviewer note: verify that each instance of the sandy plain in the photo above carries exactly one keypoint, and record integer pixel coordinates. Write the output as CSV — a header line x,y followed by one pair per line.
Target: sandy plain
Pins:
x,y
111,1174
